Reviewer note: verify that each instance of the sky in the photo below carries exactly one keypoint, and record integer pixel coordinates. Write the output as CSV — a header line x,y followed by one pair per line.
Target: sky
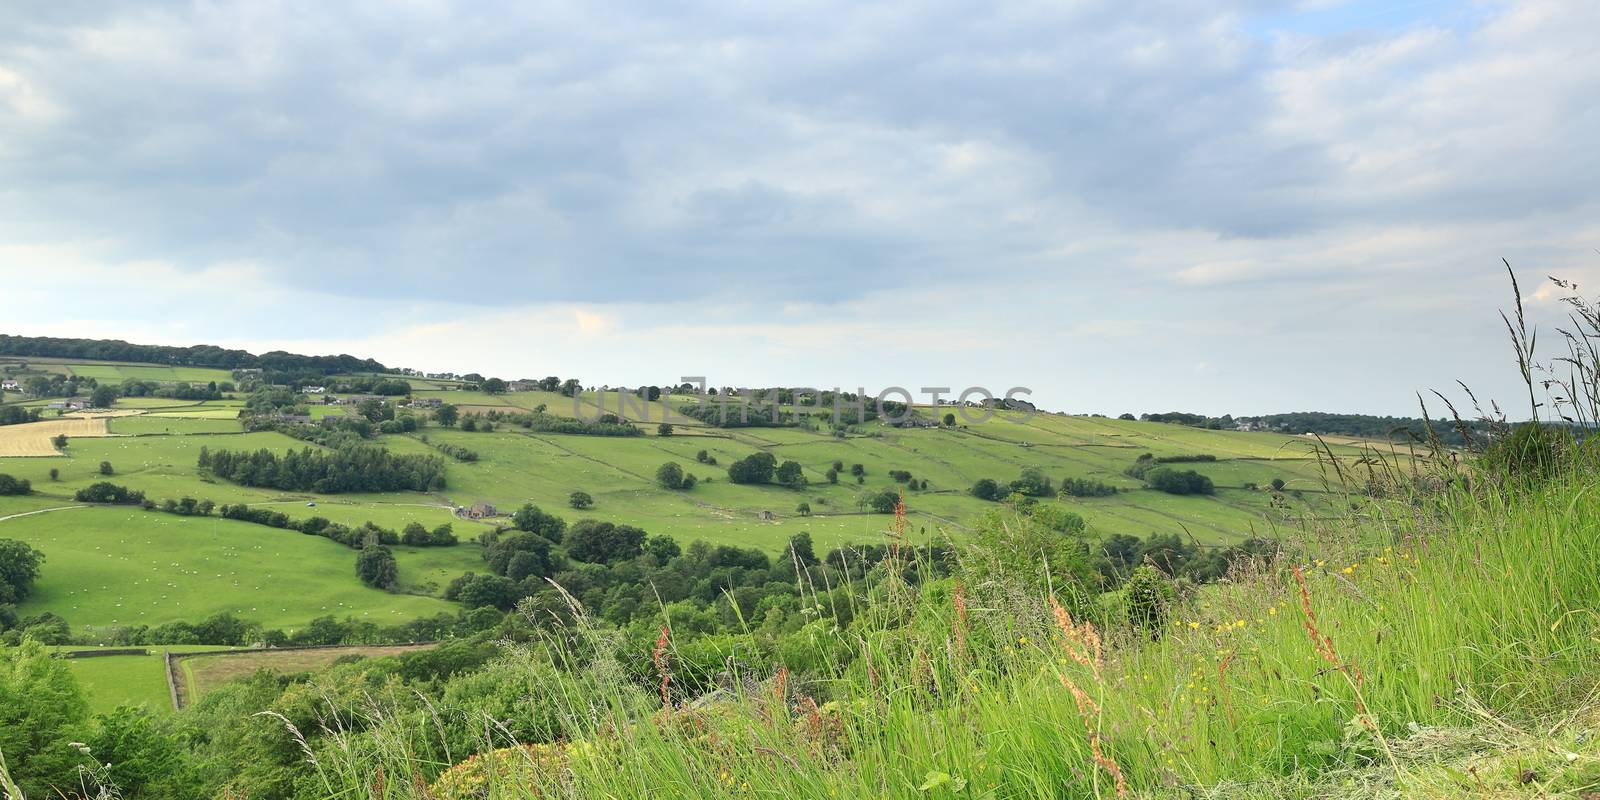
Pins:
x,y
1240,207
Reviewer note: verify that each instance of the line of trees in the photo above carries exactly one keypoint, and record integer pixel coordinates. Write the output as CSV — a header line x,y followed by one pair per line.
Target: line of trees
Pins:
x,y
357,468
195,356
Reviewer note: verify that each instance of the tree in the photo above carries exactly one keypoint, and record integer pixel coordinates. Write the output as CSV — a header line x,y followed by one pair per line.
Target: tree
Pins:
x,y
521,555
580,500
832,475
19,568
754,468
55,474
858,470
41,713
145,759
447,415
987,489
494,386
106,468
669,476
949,420
662,548
571,387
884,502
1149,596
791,475
804,509
599,542
1033,483
801,549
1277,484
103,397
14,486
376,567
60,441
665,429
532,519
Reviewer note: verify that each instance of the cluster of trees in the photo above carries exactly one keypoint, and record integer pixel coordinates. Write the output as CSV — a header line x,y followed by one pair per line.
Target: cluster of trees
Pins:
x,y
671,476
175,391
195,356
1086,487
355,468
539,421
1031,483
16,415
754,468
763,467
57,385
106,492
705,458
1175,481
14,486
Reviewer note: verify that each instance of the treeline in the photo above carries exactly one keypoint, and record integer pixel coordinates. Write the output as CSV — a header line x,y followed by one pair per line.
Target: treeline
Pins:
x,y
538,421
624,575
357,537
1372,427
14,486
16,415
357,468
195,356
174,391
1149,469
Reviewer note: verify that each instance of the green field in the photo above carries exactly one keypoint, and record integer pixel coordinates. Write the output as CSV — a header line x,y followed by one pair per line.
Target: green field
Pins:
x,y
121,567
109,567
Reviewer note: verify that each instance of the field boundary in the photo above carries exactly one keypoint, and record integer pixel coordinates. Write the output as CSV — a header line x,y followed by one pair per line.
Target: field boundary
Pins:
x,y
176,685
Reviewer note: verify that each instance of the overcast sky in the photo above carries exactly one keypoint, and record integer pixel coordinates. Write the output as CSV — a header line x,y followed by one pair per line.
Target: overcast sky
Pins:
x,y
1249,207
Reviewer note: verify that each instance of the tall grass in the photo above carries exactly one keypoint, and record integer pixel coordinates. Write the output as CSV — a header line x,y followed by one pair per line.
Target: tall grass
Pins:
x,y
1462,600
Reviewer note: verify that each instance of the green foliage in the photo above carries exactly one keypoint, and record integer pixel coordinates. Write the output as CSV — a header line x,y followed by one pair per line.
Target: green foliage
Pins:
x,y
671,476
42,712
1086,487
146,758
884,502
580,500
600,542
1149,596
359,468
987,489
376,567
791,475
10,486
1533,451
19,568
530,518
104,492
1173,481
754,468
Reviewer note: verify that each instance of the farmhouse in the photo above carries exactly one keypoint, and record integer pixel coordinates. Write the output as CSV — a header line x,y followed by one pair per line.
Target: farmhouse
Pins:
x,y
10,385
480,510
358,399
70,404
523,386
314,389
426,402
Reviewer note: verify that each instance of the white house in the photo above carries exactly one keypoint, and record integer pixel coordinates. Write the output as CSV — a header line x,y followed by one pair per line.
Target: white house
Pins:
x,y
10,385
315,389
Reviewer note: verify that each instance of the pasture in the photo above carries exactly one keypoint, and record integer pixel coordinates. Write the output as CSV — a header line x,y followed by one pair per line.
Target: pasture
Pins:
x,y
120,566
108,567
